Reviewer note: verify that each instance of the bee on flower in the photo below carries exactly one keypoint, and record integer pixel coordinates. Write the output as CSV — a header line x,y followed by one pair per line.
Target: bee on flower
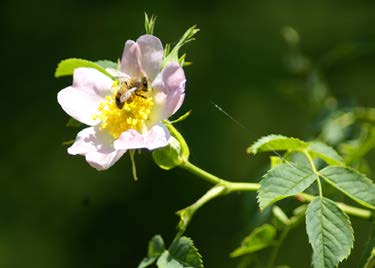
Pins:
x,y
124,111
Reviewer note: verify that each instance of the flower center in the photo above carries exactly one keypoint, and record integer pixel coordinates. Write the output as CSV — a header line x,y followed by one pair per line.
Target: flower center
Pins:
x,y
132,115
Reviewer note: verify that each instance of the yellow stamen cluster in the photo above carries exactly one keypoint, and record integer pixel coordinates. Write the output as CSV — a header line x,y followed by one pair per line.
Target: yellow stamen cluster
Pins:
x,y
132,116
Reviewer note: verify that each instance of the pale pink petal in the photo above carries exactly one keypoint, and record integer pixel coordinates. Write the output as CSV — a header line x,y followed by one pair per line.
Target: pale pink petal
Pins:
x,y
169,88
91,78
151,54
131,59
158,136
97,147
180,101
81,101
130,139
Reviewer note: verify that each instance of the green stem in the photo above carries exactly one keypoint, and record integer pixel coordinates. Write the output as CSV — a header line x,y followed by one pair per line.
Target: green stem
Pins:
x,y
187,213
201,173
229,187
353,211
311,162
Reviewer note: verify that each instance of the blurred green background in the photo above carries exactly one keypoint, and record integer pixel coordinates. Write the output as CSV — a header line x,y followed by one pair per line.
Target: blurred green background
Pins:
x,y
56,211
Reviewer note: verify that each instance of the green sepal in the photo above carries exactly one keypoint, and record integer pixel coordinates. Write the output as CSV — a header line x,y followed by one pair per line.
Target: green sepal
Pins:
x,y
67,67
181,118
150,23
73,123
175,153
172,55
259,238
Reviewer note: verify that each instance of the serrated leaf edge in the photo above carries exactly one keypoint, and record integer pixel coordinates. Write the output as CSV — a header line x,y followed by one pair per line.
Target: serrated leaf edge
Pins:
x,y
350,226
361,202
254,151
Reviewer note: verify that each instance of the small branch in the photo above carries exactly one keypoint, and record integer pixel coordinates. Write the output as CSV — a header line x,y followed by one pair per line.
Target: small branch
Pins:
x,y
187,213
224,187
361,213
201,173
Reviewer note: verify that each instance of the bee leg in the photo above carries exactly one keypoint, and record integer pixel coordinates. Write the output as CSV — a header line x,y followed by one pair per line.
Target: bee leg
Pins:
x,y
139,95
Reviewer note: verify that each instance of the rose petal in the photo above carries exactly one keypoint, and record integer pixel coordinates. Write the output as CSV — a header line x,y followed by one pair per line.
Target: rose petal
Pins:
x,y
169,88
151,54
80,104
131,59
81,101
93,79
158,136
97,147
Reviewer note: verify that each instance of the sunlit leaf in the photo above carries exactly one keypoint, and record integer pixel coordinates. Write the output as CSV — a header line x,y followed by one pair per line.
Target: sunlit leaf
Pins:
x,y
66,67
259,238
282,181
276,143
329,231
108,64
352,183
325,152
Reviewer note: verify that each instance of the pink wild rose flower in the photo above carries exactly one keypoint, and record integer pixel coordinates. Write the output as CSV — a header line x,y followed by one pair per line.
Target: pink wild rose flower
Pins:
x,y
124,113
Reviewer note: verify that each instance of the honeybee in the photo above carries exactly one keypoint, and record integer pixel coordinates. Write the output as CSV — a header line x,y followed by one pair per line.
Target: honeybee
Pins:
x,y
129,88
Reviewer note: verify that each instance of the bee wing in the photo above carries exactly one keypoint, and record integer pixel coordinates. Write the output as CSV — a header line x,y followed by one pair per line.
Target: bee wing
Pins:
x,y
128,94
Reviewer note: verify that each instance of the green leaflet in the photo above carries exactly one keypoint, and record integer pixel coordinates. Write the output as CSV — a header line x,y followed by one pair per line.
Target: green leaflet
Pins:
x,y
352,183
108,64
66,67
181,254
326,153
276,143
155,249
282,181
259,238
330,233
